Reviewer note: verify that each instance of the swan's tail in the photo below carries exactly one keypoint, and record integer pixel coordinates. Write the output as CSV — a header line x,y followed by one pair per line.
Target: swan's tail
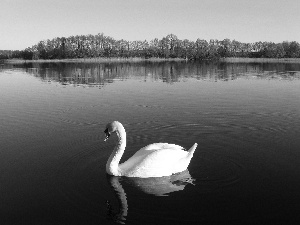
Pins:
x,y
192,150
184,162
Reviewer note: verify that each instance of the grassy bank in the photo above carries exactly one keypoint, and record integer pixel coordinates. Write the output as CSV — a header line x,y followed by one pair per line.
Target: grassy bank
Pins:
x,y
260,60
93,60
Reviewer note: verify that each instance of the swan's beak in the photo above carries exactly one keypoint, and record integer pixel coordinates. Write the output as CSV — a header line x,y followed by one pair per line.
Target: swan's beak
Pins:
x,y
107,134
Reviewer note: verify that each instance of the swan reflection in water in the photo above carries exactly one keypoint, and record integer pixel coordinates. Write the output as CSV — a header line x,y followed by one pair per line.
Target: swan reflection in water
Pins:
x,y
158,186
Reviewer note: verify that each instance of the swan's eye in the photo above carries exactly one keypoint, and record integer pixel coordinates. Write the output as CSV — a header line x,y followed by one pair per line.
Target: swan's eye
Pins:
x,y
107,134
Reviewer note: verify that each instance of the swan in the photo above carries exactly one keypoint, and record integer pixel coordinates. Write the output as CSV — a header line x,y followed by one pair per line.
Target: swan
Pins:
x,y
154,160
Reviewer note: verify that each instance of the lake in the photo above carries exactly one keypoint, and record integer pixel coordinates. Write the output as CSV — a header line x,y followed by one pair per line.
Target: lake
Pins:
x,y
245,118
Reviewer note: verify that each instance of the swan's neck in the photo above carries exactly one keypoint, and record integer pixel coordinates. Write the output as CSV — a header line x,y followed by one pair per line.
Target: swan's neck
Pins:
x,y
121,196
112,165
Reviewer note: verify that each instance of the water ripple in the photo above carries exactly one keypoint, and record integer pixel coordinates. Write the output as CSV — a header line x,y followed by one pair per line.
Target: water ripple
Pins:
x,y
77,178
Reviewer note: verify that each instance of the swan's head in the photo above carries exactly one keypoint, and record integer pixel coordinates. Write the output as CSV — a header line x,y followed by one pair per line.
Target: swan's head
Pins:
x,y
112,128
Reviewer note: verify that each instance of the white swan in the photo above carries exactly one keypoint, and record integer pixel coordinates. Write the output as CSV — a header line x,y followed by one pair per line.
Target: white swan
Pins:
x,y
154,160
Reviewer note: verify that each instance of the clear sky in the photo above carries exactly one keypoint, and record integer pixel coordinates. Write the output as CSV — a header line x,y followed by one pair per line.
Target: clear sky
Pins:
x,y
24,23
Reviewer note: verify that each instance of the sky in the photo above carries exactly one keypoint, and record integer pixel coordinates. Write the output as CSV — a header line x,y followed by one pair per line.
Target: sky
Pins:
x,y
23,23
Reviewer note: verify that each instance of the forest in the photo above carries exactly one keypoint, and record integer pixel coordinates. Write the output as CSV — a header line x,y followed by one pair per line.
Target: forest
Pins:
x,y
101,46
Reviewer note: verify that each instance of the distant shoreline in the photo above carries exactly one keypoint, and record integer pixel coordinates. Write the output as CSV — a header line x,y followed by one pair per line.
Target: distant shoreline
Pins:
x,y
260,60
111,60
93,60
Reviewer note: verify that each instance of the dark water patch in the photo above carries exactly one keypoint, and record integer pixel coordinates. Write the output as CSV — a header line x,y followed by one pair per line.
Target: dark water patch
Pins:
x,y
217,172
80,177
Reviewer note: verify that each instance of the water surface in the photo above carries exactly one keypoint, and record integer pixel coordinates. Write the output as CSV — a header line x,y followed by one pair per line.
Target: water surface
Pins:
x,y
244,117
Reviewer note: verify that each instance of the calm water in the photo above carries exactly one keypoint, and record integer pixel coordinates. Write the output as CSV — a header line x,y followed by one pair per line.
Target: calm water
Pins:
x,y
244,117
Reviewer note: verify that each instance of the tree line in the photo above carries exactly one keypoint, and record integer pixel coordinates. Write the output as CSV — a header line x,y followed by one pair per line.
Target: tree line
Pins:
x,y
93,46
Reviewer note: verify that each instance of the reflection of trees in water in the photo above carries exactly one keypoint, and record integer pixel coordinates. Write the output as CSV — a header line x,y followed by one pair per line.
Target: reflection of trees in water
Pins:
x,y
158,186
98,74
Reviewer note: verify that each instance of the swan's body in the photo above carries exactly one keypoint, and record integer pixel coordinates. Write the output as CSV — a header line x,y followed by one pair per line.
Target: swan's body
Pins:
x,y
154,160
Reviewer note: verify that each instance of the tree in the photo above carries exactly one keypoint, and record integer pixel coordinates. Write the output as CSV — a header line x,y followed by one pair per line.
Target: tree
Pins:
x,y
171,42
224,49
154,48
202,49
292,49
272,50
213,49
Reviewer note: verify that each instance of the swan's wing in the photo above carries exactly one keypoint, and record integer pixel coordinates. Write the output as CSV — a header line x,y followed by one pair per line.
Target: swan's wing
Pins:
x,y
144,152
138,157
155,162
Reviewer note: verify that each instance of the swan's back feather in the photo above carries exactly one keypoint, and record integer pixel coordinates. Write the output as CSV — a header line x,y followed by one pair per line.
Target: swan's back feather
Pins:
x,y
156,146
